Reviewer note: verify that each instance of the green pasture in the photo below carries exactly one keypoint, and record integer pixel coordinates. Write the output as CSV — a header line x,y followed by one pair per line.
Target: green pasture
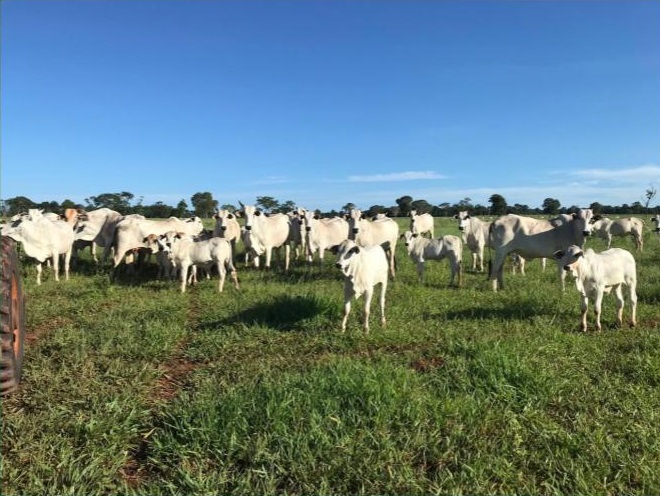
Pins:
x,y
130,387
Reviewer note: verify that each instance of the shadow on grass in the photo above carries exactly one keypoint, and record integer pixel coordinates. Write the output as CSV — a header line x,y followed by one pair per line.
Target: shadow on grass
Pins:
x,y
284,314
525,309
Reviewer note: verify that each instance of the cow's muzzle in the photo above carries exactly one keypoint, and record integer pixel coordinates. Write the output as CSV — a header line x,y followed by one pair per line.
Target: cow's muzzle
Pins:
x,y
586,233
248,228
461,228
224,228
355,230
308,229
567,268
338,265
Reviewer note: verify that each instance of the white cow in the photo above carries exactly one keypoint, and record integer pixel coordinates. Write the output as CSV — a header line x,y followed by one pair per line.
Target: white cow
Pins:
x,y
597,274
421,223
475,236
131,232
656,220
323,234
187,253
605,228
363,268
97,228
157,245
267,232
227,226
43,238
535,238
384,232
421,249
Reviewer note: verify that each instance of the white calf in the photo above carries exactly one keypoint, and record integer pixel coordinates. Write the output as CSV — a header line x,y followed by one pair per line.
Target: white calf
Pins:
x,y
185,252
363,267
475,236
421,249
597,274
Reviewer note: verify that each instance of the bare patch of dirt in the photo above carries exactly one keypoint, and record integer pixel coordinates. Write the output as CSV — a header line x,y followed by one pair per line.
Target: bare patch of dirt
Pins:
x,y
428,364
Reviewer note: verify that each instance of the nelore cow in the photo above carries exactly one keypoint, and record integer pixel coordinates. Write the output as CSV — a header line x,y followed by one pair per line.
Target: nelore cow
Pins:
x,y
131,233
267,232
535,238
422,249
322,234
656,221
421,223
227,226
187,253
96,228
384,232
596,274
475,235
363,268
605,228
43,237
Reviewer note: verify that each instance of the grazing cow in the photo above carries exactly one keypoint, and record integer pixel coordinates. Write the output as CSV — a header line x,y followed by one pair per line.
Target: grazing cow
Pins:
x,y
605,228
43,238
185,253
226,226
266,233
597,274
131,232
96,228
656,220
384,232
475,236
421,249
535,238
363,267
421,223
323,234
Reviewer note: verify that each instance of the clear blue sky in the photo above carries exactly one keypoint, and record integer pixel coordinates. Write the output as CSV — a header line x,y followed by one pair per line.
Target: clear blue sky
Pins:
x,y
329,102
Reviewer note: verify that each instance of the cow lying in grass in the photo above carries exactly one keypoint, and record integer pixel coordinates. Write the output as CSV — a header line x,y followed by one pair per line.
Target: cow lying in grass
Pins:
x,y
363,267
597,274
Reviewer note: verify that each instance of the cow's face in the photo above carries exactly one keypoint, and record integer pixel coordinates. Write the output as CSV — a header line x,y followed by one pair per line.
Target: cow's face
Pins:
x,y
355,216
408,238
584,220
656,220
463,219
569,259
250,212
346,253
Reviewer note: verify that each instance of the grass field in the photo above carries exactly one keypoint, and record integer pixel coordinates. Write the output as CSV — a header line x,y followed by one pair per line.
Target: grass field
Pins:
x,y
133,388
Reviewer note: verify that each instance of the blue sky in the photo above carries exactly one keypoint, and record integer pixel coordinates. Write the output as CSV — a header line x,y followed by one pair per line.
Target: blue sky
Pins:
x,y
329,102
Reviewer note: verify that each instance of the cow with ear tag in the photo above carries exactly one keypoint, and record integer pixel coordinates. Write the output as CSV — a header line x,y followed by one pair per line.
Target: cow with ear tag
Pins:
x,y
596,274
363,268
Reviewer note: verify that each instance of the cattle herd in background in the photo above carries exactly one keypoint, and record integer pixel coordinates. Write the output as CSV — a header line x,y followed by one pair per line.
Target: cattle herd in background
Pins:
x,y
364,248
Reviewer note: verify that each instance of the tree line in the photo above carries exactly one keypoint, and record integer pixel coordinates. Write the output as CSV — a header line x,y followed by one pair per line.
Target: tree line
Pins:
x,y
204,205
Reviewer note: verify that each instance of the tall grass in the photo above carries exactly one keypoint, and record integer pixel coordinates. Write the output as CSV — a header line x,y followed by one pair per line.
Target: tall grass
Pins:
x,y
132,387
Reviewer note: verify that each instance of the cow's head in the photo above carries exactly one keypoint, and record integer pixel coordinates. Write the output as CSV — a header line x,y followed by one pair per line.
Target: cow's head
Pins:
x,y
583,219
346,253
463,218
656,219
408,238
570,258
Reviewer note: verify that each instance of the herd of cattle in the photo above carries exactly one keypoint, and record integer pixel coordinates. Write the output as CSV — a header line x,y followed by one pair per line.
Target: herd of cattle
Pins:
x,y
365,248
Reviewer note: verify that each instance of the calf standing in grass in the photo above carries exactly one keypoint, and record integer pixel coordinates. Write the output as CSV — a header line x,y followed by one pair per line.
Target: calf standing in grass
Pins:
x,y
363,267
597,274
421,249
186,252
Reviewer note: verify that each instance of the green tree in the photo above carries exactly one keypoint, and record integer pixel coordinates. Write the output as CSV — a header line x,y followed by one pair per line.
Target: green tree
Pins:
x,y
181,209
551,206
348,207
650,193
203,204
498,204
405,205
421,206
229,207
597,208
19,204
267,203
286,207
121,202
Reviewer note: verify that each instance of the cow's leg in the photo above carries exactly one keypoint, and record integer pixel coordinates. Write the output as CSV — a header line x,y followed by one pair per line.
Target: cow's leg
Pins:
x,y
222,272
383,290
232,273
67,263
420,271
183,276
56,266
618,293
474,261
584,306
598,304
609,241
496,271
269,255
633,304
543,262
347,309
93,250
368,294
562,276
39,269
392,262
522,262
480,259
287,255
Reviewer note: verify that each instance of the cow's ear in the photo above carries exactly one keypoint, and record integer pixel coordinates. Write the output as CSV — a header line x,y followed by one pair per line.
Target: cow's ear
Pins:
x,y
456,216
415,235
402,236
467,216
230,216
355,249
558,254
363,216
145,239
347,216
575,216
316,217
334,249
257,212
579,254
595,218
